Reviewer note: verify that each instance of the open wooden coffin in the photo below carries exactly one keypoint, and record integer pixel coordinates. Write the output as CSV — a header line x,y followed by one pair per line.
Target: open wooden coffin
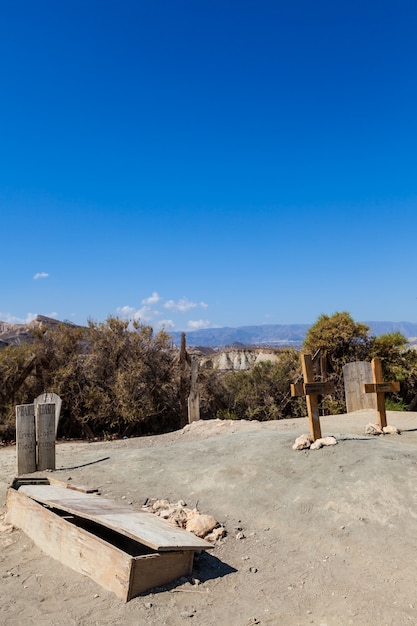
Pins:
x,y
125,551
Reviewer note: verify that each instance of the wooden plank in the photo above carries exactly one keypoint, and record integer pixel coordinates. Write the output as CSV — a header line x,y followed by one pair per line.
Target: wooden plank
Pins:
x,y
67,485
381,387
141,526
355,375
45,436
321,389
83,552
25,439
380,396
297,390
155,570
194,397
312,401
51,398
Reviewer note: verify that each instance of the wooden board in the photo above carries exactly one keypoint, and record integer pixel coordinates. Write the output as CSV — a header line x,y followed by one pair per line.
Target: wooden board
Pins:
x,y
355,375
70,545
381,387
51,398
25,439
141,526
45,436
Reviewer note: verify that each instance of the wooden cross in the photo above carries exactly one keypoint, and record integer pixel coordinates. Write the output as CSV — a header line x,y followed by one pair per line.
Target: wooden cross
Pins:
x,y
311,390
380,388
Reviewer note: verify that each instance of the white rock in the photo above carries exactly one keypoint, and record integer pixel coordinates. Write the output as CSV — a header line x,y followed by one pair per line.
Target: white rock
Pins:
x,y
316,445
323,441
328,441
201,525
391,430
302,442
373,429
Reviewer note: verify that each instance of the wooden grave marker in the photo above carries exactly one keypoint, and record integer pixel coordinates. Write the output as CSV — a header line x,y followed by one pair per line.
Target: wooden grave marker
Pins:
x,y
354,376
380,388
45,436
311,390
25,439
51,398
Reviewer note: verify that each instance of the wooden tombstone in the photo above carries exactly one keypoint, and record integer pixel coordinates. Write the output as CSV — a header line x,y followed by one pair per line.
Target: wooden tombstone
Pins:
x,y
51,398
355,375
25,439
45,436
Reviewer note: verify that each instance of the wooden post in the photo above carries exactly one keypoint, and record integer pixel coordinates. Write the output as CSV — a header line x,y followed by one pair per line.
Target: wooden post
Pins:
x,y
183,383
25,439
194,398
380,388
45,436
311,391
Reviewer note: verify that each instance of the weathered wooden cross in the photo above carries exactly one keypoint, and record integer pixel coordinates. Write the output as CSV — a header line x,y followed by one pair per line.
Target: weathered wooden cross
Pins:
x,y
311,390
380,388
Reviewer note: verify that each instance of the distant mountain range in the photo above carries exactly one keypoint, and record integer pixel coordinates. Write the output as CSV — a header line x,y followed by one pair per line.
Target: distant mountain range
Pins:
x,y
277,334
273,335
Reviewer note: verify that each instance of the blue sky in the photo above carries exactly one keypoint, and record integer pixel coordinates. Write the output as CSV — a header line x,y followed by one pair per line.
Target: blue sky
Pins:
x,y
205,163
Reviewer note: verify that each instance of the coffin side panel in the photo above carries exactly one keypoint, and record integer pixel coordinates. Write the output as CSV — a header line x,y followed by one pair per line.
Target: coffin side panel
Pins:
x,y
155,570
72,546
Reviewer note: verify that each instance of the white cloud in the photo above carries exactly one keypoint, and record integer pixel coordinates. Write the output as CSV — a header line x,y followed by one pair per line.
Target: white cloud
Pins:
x,y
197,324
13,319
145,313
125,311
40,275
148,313
182,305
153,299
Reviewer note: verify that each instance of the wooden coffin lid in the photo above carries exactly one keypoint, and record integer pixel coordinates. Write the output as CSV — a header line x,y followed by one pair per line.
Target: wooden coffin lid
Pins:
x,y
141,526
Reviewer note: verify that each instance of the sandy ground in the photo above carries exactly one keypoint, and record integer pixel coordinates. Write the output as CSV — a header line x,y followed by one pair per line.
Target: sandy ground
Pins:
x,y
330,536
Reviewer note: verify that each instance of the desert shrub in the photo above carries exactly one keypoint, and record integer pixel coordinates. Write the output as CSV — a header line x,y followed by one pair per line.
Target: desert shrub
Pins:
x,y
130,377
261,393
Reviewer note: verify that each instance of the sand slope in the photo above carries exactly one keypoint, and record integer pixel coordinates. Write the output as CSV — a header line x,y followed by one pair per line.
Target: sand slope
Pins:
x,y
330,536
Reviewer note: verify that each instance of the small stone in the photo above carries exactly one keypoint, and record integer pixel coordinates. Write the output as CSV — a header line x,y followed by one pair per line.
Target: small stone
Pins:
x,y
148,605
201,525
216,534
373,429
302,442
96,595
390,430
253,570
240,535
328,441
316,445
323,441
185,614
